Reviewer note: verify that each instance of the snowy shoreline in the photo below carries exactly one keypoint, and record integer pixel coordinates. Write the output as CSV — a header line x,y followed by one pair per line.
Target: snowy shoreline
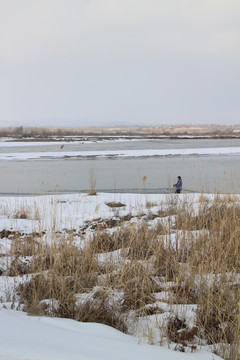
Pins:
x,y
120,153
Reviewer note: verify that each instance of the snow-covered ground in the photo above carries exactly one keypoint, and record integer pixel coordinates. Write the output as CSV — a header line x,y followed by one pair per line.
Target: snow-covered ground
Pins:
x,y
24,337
71,210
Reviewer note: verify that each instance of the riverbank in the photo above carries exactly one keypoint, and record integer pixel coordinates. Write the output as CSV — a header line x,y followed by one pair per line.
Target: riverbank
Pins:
x,y
157,267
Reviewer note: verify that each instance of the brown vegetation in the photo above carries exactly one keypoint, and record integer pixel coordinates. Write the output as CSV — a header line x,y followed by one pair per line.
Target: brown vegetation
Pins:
x,y
40,133
200,267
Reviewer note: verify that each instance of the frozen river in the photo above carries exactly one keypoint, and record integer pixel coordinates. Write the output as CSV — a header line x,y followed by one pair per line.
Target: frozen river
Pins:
x,y
149,165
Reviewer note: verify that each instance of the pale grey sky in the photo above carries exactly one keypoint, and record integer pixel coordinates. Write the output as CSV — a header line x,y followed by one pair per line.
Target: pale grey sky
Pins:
x,y
101,62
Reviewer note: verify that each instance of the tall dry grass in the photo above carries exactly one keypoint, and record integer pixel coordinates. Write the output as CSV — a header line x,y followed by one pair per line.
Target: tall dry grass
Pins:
x,y
202,267
92,181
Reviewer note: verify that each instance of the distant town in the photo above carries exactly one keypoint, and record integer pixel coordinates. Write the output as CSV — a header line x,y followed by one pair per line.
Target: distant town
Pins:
x,y
39,132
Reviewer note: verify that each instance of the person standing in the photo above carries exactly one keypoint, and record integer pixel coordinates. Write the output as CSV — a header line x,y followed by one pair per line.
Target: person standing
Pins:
x,y
178,185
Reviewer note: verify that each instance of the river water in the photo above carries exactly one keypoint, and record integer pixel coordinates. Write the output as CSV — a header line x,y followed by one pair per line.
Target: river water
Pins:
x,y
150,174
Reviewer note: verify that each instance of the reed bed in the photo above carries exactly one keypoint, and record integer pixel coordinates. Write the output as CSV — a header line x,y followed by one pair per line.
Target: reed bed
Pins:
x,y
188,253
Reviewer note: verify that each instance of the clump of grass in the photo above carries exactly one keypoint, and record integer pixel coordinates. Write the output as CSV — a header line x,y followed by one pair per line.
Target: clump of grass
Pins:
x,y
136,282
185,291
92,181
18,267
168,209
23,212
167,212
51,287
25,246
140,241
23,250
70,270
179,333
218,246
213,258
218,311
143,243
102,241
150,204
149,310
30,293
101,309
165,262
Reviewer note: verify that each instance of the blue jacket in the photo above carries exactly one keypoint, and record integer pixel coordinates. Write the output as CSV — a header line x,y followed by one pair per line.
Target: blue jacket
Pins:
x,y
179,185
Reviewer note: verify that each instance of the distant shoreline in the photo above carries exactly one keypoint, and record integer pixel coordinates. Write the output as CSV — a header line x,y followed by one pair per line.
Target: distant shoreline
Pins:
x,y
102,138
170,131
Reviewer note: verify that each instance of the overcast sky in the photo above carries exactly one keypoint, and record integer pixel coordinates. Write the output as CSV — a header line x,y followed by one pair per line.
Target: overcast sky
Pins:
x,y
112,62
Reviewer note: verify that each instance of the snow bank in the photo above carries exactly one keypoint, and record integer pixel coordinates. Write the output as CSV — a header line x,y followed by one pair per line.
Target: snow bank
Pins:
x,y
41,338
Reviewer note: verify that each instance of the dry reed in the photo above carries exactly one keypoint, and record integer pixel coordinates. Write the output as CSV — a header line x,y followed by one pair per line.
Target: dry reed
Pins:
x,y
203,266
